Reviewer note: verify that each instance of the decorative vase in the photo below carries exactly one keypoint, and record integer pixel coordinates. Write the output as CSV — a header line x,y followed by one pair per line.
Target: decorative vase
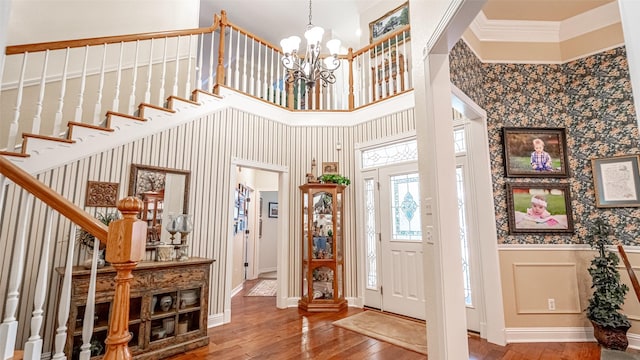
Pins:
x,y
89,260
164,252
165,302
614,338
154,301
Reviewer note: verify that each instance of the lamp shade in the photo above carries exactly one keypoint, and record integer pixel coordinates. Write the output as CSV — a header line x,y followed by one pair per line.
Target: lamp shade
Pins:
x,y
314,35
334,46
290,45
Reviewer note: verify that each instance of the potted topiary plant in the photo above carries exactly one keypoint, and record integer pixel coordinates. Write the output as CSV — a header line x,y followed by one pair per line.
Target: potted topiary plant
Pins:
x,y
609,324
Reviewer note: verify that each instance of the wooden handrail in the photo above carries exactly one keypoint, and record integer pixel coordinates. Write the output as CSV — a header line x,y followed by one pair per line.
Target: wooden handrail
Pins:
x,y
53,199
57,45
382,40
632,274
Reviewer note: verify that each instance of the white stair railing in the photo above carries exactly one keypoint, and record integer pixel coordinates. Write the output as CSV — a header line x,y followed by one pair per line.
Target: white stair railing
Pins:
x,y
9,326
33,346
65,304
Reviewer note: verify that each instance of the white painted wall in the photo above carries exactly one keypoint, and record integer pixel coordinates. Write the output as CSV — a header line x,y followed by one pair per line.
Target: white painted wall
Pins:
x,y
51,20
267,259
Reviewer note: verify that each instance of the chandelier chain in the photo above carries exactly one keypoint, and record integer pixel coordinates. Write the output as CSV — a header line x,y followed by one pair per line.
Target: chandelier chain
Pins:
x,y
309,12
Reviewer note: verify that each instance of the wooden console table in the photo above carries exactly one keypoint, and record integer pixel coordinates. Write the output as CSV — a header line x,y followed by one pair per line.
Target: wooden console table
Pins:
x,y
168,308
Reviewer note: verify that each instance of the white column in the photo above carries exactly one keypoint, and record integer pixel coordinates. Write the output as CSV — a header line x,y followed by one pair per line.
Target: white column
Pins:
x,y
631,29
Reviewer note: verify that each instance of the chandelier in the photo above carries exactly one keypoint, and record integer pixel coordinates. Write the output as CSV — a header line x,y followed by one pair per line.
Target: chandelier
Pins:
x,y
310,68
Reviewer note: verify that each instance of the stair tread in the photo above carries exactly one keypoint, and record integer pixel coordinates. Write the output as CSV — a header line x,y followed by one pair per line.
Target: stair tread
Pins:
x,y
46,137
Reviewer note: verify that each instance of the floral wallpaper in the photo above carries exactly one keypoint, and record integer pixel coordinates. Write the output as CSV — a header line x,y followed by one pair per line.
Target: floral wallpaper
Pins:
x,y
591,98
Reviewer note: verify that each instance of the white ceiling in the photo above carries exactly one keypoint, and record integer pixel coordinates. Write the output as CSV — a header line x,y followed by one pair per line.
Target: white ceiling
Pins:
x,y
273,20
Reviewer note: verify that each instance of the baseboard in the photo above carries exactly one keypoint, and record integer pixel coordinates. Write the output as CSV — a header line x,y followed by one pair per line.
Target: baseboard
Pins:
x,y
356,302
634,341
237,290
267,270
215,320
549,334
292,302
560,334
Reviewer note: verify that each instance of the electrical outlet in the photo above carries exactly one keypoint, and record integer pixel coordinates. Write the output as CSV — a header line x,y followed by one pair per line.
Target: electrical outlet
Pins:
x,y
552,304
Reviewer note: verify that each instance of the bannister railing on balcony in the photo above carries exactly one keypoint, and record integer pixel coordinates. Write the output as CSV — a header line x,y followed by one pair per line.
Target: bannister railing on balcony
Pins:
x,y
45,85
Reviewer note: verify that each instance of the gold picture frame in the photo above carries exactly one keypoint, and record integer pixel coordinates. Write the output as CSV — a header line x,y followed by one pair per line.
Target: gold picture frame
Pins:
x,y
330,167
389,22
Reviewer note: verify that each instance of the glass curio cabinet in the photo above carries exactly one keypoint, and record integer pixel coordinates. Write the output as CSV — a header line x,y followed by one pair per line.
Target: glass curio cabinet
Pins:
x,y
322,248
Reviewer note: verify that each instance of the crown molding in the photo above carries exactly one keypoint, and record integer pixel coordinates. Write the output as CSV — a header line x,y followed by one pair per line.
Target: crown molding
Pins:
x,y
544,31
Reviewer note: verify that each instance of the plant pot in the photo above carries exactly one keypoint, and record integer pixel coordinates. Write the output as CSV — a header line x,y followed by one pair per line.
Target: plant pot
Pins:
x,y
611,338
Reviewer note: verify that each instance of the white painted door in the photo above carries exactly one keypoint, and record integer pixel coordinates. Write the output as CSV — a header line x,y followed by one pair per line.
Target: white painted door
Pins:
x,y
401,241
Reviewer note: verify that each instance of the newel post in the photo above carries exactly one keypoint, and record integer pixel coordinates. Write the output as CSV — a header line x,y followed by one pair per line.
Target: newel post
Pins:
x,y
125,248
220,69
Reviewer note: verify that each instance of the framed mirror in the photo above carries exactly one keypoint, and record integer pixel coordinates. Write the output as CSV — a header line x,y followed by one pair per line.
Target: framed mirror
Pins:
x,y
164,192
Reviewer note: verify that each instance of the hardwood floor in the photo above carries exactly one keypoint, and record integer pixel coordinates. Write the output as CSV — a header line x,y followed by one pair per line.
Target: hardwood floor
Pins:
x,y
258,330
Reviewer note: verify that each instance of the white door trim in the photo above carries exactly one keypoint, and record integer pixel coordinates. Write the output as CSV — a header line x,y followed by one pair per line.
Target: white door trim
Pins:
x,y
282,234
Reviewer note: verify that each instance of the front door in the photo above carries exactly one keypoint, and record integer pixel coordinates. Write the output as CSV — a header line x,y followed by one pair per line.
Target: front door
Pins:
x,y
401,241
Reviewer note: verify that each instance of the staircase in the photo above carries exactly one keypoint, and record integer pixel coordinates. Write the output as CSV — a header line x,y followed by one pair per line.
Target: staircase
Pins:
x,y
142,85
82,139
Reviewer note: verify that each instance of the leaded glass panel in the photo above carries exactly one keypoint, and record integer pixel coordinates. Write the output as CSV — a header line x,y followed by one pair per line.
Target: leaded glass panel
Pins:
x,y
390,154
405,207
370,233
464,243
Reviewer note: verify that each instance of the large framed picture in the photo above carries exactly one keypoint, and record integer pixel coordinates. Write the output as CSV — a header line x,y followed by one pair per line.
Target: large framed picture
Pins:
x,y
535,152
389,22
616,181
539,208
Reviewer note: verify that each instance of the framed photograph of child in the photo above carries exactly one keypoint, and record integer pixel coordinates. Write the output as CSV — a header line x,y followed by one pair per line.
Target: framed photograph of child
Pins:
x,y
616,181
539,208
535,152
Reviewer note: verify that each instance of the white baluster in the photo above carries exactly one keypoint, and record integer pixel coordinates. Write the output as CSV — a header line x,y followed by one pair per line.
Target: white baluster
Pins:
x,y
237,73
399,74
391,81
228,81
407,78
174,92
279,82
13,128
301,94
200,56
268,71
244,67
83,83
98,108
212,61
65,303
116,97
252,80
35,126
134,80
187,87
259,83
9,326
164,72
33,346
147,93
90,309
57,120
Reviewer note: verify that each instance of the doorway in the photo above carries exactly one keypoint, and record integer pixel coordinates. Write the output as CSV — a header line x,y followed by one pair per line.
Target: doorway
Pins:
x,y
243,248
